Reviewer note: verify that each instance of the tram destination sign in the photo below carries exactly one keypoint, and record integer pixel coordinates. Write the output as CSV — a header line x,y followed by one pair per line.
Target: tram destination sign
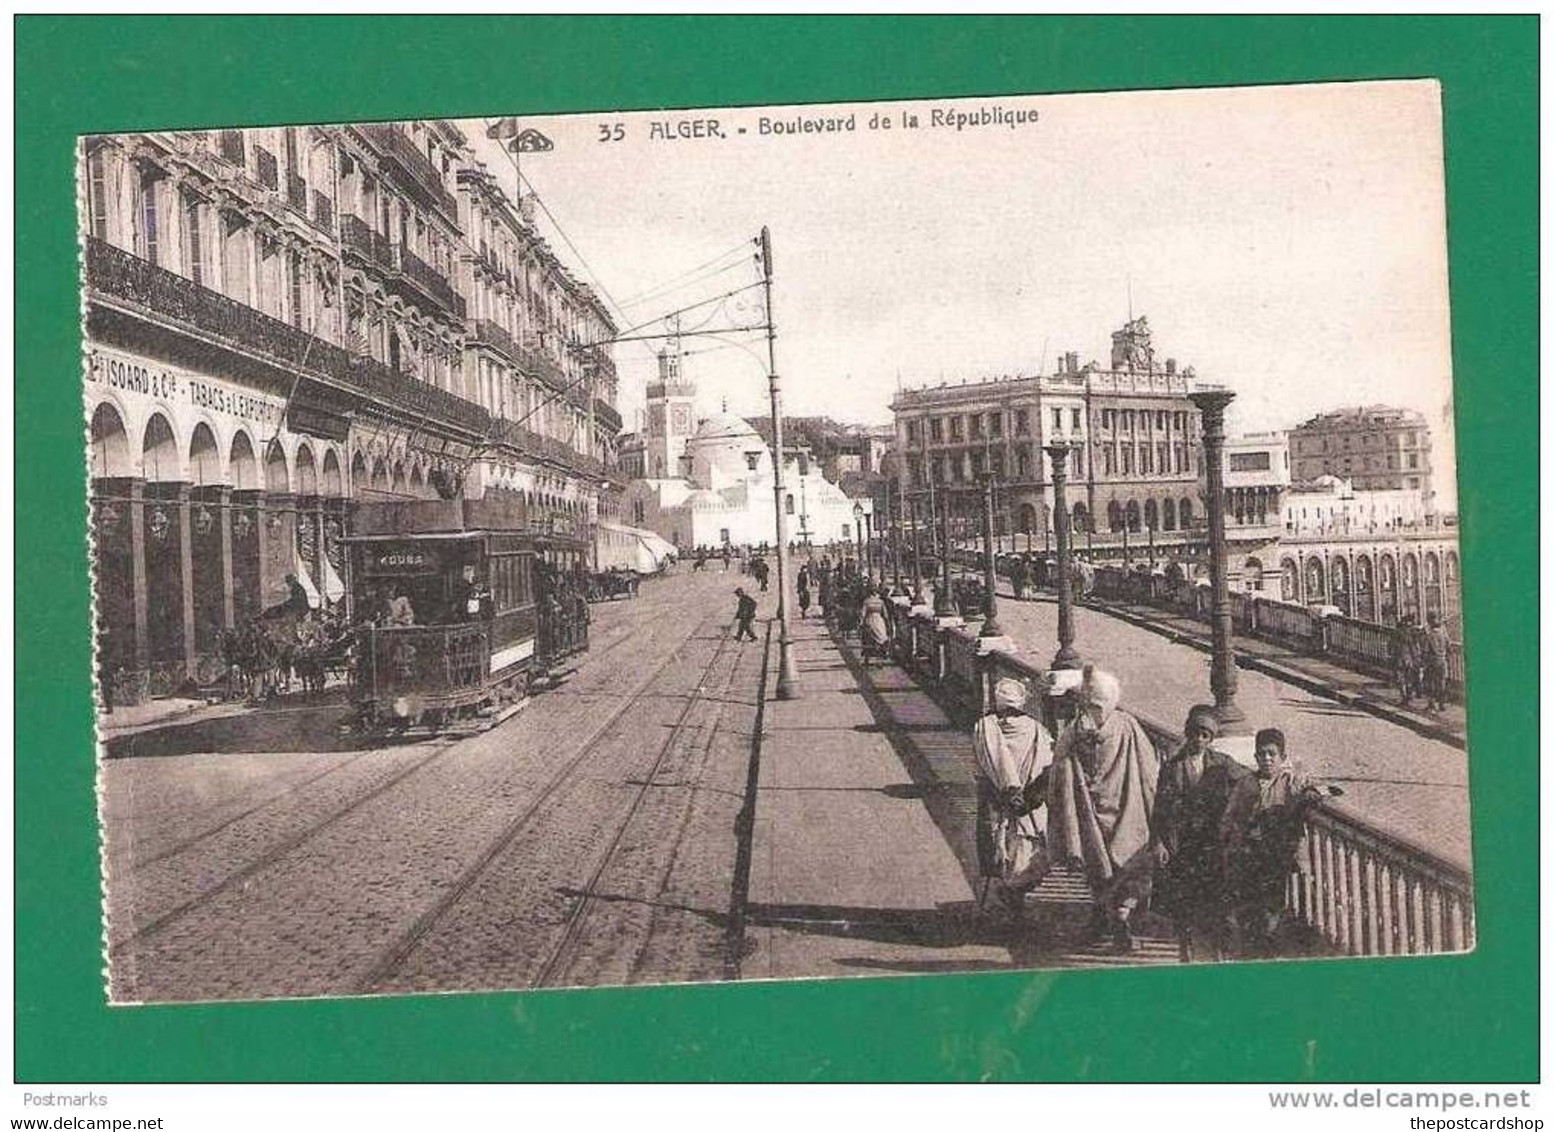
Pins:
x,y
399,561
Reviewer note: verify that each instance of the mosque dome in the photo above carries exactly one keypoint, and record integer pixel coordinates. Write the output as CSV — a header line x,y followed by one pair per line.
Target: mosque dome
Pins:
x,y
726,450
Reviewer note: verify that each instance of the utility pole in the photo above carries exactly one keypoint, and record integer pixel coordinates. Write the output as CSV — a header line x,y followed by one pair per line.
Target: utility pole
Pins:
x,y
787,670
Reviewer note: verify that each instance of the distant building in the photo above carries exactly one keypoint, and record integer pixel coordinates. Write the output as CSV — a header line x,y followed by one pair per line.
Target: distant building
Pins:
x,y
1329,505
711,482
1133,433
1375,448
1257,482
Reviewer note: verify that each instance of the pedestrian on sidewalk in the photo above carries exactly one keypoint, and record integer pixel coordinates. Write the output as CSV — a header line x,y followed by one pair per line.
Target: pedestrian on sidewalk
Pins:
x,y
1263,832
874,634
744,615
1434,645
1101,802
804,592
1013,753
1190,799
1410,665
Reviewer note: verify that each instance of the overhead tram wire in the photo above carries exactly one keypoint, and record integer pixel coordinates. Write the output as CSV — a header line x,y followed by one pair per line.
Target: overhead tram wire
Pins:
x,y
713,266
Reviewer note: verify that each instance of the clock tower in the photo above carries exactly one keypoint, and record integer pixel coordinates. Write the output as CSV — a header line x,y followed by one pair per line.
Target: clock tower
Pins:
x,y
671,416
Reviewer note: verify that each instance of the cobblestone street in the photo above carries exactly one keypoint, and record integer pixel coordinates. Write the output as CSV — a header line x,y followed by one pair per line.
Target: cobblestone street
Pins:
x,y
588,839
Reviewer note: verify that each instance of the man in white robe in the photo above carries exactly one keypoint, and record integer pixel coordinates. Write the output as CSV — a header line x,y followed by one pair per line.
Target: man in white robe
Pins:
x,y
1013,750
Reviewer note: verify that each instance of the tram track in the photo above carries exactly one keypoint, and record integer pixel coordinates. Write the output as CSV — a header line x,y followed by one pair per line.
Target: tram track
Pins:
x,y
565,948
442,743
391,958
270,856
192,903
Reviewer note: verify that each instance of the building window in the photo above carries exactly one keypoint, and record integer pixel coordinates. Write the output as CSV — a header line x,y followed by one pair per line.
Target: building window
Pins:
x,y
1146,462
1110,459
150,221
97,190
911,431
1163,455
194,243
995,424
1022,422
1073,419
294,286
1079,461
936,429
1057,420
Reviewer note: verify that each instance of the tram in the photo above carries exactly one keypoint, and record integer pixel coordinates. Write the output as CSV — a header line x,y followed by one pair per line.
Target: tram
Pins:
x,y
460,606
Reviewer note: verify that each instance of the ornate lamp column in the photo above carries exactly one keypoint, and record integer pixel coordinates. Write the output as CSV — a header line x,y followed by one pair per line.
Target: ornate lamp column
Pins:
x,y
918,597
858,537
896,518
1066,656
943,600
1222,675
990,626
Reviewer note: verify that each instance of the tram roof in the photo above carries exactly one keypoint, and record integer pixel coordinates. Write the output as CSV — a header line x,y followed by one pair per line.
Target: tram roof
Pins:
x,y
449,519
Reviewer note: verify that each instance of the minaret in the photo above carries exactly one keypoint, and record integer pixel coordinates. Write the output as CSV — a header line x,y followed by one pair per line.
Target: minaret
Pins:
x,y
671,419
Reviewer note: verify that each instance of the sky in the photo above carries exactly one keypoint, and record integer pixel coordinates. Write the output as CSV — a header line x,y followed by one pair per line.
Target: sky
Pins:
x,y
1287,242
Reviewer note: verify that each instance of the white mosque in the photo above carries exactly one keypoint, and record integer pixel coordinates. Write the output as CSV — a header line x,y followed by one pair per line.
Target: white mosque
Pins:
x,y
715,486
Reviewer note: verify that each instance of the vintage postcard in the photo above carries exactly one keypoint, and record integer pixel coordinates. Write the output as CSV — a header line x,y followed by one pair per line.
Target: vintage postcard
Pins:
x,y
776,542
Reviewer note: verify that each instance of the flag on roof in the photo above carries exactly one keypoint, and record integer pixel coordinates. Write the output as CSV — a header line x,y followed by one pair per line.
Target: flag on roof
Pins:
x,y
502,128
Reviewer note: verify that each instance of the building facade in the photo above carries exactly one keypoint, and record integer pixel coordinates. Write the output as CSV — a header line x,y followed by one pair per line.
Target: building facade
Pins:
x,y
281,322
1376,448
1131,429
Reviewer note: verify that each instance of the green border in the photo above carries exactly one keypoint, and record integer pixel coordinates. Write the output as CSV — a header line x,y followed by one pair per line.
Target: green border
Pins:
x,y
1463,1018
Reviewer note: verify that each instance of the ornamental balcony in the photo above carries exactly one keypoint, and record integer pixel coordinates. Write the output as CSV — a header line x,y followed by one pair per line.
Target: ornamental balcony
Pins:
x,y
493,334
607,415
427,279
167,299
370,245
393,143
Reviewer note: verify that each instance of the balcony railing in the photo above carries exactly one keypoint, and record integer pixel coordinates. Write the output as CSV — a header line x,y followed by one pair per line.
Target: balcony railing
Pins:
x,y
297,193
493,334
267,168
168,296
392,142
606,415
1361,889
426,277
360,237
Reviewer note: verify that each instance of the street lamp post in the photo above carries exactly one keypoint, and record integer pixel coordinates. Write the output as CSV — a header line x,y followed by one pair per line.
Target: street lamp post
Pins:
x,y
858,538
896,519
918,597
1222,674
1066,656
787,669
943,599
990,626
868,548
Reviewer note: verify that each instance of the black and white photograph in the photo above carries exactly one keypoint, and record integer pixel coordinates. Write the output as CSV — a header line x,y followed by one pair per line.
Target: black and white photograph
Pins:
x,y
784,542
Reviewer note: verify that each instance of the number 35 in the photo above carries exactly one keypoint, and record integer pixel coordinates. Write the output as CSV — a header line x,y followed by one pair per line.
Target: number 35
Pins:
x,y
612,131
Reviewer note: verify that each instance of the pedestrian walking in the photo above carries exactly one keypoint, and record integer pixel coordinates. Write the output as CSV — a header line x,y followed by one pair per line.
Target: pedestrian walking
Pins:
x,y
1190,799
1013,754
803,594
874,633
1100,804
1263,831
1434,645
744,616
1409,666
726,556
